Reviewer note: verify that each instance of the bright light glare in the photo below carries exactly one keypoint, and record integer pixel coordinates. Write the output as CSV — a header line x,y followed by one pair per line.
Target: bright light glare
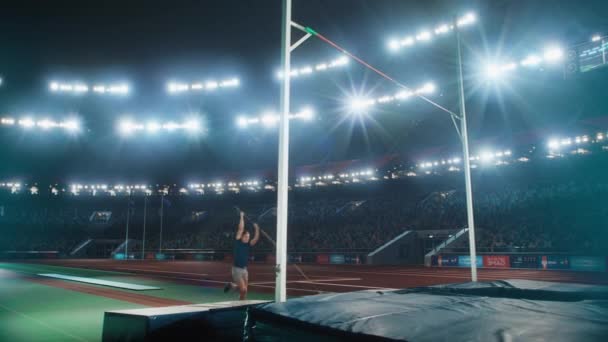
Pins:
x,y
596,38
27,123
44,124
553,54
357,105
486,156
308,70
153,127
424,36
531,60
192,125
174,87
468,19
427,88
127,127
7,121
442,29
270,119
241,121
80,88
211,85
396,44
306,114
393,44
177,87
553,144
494,71
233,82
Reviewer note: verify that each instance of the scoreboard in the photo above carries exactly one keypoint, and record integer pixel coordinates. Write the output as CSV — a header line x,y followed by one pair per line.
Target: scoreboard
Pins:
x,y
588,56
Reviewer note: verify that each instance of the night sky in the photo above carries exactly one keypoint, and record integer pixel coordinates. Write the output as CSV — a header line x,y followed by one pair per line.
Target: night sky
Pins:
x,y
147,43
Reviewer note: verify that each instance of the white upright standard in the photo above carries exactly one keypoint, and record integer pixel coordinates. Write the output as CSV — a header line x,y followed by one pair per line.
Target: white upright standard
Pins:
x,y
464,136
283,176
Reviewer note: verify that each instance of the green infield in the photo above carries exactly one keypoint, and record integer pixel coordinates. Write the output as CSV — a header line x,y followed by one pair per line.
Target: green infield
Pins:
x,y
32,310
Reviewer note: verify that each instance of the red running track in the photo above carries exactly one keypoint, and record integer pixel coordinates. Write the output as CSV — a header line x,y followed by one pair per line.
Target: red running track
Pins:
x,y
321,278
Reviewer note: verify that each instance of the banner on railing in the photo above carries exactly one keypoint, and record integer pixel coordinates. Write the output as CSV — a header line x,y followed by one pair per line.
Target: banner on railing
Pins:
x,y
465,261
322,259
583,263
555,262
295,258
496,261
448,260
524,261
352,259
337,259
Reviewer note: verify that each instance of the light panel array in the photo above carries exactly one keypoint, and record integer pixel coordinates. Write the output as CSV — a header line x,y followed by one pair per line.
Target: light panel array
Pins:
x,y
363,103
127,126
484,156
354,176
14,187
82,88
320,67
427,35
551,55
95,189
271,119
220,187
71,125
556,144
178,87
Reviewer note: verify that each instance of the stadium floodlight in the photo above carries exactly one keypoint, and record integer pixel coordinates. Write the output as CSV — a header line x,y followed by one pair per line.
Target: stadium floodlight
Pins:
x,y
305,114
27,123
323,66
553,54
233,82
495,71
442,29
153,126
468,19
242,122
7,121
271,119
427,88
357,105
174,87
119,89
71,125
531,60
425,36
127,127
81,88
191,125
596,38
44,124
210,85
